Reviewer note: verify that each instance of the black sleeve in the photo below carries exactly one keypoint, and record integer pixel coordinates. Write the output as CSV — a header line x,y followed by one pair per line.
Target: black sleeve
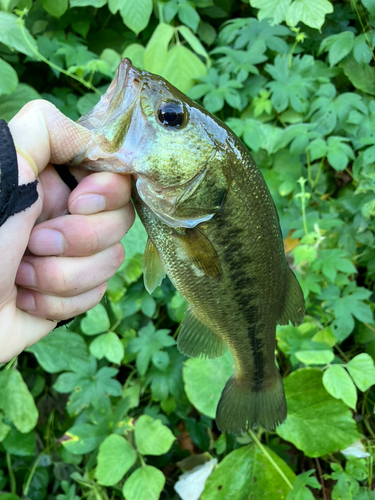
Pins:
x,y
13,198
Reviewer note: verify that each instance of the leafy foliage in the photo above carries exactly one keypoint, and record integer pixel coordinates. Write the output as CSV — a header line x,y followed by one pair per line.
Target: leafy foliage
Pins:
x,y
108,408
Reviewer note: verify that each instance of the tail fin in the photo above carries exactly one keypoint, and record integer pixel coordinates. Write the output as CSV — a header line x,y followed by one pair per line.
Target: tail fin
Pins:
x,y
240,408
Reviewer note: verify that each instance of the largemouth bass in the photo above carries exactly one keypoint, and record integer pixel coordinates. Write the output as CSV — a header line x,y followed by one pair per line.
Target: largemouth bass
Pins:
x,y
213,229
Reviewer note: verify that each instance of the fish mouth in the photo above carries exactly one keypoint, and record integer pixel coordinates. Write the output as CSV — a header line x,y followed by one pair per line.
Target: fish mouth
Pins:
x,y
109,123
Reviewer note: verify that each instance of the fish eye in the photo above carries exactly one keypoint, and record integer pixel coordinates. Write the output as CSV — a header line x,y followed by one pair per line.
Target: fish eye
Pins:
x,y
171,114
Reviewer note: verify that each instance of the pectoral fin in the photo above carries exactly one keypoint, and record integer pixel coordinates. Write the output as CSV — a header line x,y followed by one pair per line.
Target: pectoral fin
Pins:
x,y
195,339
200,252
153,270
294,305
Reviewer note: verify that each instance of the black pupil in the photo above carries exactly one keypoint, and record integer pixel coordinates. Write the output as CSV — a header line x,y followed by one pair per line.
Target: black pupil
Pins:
x,y
171,114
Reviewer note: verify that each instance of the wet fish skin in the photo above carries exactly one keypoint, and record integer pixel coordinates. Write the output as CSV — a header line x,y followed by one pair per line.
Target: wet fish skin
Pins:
x,y
213,229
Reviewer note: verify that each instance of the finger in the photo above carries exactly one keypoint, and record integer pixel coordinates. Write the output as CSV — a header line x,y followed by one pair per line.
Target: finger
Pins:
x,y
41,132
98,192
69,276
81,235
19,330
58,308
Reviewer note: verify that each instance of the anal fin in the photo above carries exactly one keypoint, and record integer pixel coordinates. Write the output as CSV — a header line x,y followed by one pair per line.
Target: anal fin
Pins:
x,y
294,305
195,339
153,270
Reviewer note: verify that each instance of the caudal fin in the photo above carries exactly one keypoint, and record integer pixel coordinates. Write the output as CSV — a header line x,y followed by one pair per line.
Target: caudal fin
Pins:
x,y
241,408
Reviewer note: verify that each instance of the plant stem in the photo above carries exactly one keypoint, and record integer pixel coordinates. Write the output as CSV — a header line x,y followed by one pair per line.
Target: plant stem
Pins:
x,y
319,172
302,181
309,168
12,479
321,478
88,85
32,472
11,363
269,458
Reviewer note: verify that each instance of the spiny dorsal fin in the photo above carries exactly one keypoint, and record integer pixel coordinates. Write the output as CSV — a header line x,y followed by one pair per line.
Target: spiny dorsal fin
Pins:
x,y
195,339
294,306
153,270
200,252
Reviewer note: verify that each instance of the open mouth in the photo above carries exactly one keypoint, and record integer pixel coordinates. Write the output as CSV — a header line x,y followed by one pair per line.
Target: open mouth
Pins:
x,y
110,120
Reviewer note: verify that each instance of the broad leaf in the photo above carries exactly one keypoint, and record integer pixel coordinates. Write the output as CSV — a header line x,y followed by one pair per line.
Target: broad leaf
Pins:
x,y
248,473
316,423
108,345
152,437
362,369
115,458
339,384
96,321
136,14
9,78
145,483
11,35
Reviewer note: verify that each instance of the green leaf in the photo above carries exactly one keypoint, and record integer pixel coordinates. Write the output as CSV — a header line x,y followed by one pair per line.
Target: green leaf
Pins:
x,y
299,491
193,41
56,351
11,34
96,321
9,78
136,14
338,383
135,240
315,357
145,483
362,76
87,102
310,13
55,7
147,343
87,3
10,105
247,473
204,381
157,48
84,438
370,6
182,68
189,16
135,52
362,369
152,437
273,9
109,346
16,401
22,445
316,423
115,458
338,46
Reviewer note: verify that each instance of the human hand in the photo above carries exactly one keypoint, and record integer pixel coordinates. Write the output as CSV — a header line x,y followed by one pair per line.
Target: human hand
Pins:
x,y
71,256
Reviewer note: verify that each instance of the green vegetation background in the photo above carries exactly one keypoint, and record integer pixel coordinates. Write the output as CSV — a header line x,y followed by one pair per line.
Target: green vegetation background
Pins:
x,y
108,408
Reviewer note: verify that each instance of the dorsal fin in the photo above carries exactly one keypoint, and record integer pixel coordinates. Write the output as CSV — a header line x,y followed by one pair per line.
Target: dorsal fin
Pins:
x,y
153,270
200,252
195,339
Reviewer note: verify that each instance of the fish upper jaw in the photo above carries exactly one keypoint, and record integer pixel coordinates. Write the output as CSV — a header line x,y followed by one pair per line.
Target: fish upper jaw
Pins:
x,y
110,120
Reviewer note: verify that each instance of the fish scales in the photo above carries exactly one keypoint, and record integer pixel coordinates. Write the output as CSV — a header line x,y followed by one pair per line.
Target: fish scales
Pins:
x,y
214,230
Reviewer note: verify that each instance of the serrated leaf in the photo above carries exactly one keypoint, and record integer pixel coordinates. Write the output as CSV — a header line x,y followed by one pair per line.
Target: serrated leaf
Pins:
x,y
246,473
16,401
316,423
273,9
115,458
152,437
310,13
338,46
109,346
362,369
136,14
145,483
362,76
9,78
338,383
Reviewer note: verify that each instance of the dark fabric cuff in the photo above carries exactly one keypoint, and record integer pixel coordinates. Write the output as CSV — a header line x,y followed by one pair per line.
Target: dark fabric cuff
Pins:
x,y
13,198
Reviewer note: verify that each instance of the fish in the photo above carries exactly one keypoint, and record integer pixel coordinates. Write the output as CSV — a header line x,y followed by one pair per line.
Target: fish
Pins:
x,y
212,228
